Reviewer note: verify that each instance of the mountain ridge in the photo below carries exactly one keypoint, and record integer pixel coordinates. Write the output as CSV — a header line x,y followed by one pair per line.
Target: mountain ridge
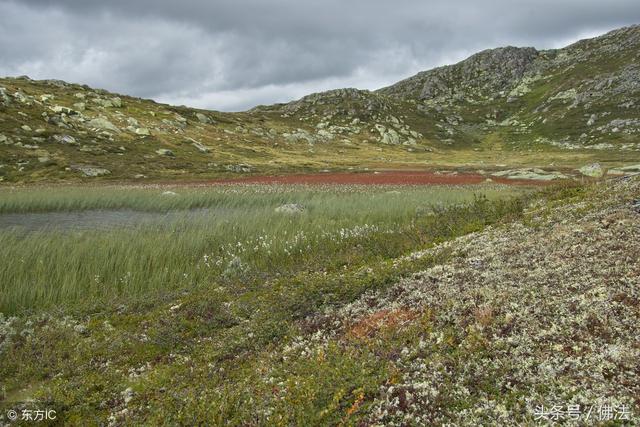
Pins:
x,y
578,103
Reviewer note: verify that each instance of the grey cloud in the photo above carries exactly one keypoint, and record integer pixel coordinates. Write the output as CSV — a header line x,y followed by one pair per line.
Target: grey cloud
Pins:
x,y
235,54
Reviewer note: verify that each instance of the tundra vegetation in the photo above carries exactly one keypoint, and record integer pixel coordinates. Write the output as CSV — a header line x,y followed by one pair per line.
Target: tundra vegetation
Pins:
x,y
397,305
255,304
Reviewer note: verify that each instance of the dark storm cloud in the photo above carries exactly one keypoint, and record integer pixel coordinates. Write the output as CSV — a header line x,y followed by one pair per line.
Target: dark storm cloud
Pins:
x,y
236,54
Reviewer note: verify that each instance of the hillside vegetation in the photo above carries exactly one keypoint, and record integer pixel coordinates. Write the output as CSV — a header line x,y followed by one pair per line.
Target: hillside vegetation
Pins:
x,y
510,106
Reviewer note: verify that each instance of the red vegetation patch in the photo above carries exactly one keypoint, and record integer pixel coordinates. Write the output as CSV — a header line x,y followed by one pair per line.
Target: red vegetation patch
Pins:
x,y
383,319
379,178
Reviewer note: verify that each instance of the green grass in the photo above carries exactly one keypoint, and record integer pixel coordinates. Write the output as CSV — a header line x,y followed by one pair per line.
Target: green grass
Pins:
x,y
241,239
246,197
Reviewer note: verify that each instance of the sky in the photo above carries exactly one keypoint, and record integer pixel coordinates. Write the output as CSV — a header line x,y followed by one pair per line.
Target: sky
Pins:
x,y
232,55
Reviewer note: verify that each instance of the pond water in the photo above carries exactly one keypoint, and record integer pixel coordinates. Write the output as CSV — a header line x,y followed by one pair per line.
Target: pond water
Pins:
x,y
96,219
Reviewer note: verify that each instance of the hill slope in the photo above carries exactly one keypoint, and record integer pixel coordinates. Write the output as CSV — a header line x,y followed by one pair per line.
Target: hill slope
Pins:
x,y
513,106
585,96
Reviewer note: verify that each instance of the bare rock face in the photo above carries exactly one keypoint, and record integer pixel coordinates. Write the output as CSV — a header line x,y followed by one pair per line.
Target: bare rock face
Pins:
x,y
488,72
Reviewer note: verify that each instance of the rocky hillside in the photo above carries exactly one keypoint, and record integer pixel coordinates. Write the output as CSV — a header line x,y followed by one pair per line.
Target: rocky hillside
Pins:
x,y
585,96
53,130
355,113
580,103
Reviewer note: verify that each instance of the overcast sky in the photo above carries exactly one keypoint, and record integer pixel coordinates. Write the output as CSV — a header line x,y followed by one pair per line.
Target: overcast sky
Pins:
x,y
235,54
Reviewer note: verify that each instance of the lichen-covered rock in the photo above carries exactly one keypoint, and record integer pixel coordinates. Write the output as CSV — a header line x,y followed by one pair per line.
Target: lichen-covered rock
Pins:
x,y
62,109
102,123
299,135
165,152
242,167
594,170
5,100
203,118
91,171
115,102
535,174
489,71
201,148
566,95
65,139
23,99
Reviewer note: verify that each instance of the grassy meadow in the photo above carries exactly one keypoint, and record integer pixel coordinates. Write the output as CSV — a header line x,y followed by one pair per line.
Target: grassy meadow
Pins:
x,y
241,237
